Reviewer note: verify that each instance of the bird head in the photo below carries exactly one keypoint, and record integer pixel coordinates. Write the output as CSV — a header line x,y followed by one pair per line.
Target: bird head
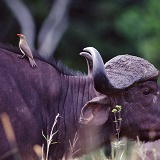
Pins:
x,y
21,36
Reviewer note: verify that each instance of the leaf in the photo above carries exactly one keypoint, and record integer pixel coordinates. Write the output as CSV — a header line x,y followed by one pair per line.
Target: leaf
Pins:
x,y
114,110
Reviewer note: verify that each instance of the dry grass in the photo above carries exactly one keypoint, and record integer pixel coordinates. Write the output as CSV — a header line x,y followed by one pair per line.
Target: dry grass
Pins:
x,y
121,149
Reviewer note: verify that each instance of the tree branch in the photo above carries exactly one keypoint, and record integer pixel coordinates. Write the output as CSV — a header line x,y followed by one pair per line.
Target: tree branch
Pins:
x,y
25,19
53,28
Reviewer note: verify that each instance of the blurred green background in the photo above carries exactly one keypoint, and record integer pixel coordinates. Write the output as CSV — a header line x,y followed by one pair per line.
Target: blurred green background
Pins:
x,y
112,27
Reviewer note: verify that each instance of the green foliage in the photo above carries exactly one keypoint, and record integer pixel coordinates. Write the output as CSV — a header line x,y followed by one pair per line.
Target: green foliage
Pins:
x,y
141,26
114,110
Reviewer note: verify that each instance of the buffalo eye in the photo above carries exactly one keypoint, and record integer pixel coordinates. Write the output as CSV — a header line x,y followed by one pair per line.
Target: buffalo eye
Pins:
x,y
146,91
149,87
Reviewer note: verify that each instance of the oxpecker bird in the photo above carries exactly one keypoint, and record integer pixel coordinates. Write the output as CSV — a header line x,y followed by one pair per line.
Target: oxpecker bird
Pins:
x,y
26,51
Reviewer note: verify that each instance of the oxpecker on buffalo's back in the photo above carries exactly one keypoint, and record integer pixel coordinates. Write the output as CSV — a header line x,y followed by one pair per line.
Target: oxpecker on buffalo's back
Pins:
x,y
25,49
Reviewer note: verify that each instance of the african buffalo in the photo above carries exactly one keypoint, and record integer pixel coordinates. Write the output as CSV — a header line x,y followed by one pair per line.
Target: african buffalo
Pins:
x,y
33,97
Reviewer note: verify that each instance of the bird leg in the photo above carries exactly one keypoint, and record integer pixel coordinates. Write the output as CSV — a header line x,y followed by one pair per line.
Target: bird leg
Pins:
x,y
21,56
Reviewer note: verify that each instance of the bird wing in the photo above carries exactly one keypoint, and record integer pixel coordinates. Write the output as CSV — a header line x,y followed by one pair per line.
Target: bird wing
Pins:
x,y
25,48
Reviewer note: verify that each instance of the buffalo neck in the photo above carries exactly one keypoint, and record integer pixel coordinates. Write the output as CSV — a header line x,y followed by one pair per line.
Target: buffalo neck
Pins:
x,y
74,92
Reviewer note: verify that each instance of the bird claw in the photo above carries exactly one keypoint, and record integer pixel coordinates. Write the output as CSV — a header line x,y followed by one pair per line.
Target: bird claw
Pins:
x,y
33,65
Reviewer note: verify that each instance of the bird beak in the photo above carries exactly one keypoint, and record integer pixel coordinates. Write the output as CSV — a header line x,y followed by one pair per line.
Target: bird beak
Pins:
x,y
19,35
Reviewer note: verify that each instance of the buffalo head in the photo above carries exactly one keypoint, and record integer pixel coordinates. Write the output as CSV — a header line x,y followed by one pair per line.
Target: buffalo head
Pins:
x,y
130,82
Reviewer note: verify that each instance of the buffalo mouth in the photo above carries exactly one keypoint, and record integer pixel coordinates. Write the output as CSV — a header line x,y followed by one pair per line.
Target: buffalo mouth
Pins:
x,y
149,135
144,135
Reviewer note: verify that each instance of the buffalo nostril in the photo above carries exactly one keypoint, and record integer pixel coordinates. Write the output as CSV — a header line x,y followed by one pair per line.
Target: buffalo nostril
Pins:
x,y
152,134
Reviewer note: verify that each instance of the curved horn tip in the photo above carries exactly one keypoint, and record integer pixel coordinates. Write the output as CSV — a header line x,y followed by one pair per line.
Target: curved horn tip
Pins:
x,y
84,54
89,49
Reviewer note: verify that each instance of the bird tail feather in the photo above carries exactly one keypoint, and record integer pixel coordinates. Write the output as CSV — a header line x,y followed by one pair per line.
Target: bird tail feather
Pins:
x,y
32,62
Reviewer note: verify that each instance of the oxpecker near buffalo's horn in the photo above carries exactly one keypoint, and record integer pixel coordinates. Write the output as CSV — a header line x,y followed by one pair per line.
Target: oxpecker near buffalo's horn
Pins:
x,y
101,81
26,51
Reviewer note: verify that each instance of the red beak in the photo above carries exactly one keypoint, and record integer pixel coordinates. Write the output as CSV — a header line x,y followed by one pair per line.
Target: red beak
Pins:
x,y
19,35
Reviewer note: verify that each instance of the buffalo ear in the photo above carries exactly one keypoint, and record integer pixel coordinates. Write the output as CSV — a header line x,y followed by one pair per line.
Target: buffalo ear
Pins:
x,y
96,111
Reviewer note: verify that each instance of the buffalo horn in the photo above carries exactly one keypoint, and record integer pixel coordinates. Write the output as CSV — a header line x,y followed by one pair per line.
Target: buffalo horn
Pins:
x,y
89,61
101,81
